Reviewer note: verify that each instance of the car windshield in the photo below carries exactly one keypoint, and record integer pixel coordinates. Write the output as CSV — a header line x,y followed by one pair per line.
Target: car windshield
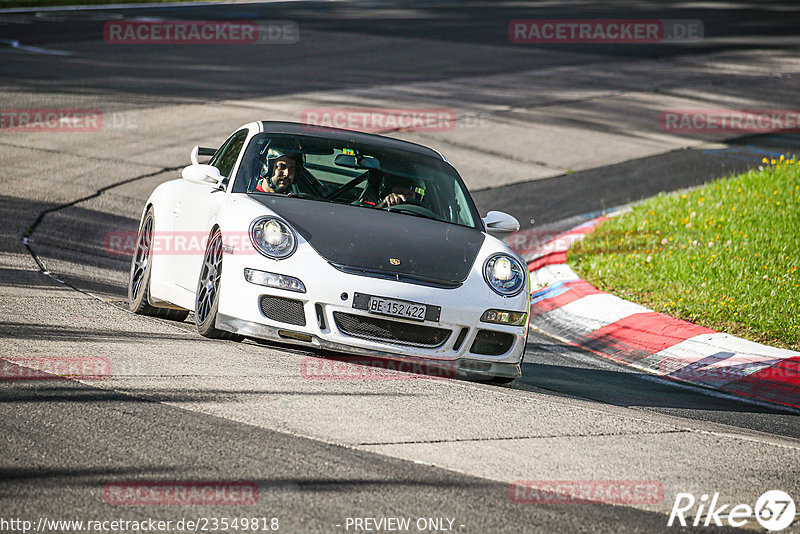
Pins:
x,y
320,169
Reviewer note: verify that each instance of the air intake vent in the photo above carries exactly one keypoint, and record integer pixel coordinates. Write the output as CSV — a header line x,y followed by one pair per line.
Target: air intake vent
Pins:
x,y
460,338
392,331
320,316
491,343
283,310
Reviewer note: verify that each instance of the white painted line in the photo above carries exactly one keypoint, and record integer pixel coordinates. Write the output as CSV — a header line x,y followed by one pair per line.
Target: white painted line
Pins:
x,y
33,49
743,347
748,356
162,5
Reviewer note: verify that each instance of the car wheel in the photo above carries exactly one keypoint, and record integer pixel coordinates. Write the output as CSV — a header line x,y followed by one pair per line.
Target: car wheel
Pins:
x,y
500,380
139,280
207,294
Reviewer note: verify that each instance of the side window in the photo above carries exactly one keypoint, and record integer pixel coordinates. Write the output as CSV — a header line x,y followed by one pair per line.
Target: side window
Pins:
x,y
225,158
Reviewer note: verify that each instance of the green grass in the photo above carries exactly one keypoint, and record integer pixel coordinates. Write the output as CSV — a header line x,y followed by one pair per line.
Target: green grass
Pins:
x,y
724,256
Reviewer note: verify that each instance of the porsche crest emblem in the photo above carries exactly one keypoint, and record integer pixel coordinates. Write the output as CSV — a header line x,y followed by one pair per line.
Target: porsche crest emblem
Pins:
x,y
394,261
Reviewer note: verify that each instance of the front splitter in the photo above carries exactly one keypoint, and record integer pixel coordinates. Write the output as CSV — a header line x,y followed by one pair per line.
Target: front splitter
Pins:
x,y
465,368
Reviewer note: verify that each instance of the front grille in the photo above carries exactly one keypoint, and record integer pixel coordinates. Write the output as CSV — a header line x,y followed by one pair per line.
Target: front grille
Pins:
x,y
491,343
393,331
283,310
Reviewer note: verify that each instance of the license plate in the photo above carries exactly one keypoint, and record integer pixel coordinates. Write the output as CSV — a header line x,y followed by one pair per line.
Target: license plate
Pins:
x,y
397,308
401,308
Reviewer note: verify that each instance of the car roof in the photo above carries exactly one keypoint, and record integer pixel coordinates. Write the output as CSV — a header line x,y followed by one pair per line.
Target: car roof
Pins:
x,y
280,127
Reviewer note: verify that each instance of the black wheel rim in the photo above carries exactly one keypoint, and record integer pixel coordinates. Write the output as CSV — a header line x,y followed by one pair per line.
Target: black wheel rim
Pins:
x,y
209,278
141,258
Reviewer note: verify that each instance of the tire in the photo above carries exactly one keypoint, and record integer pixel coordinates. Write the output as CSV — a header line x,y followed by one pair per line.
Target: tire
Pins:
x,y
139,279
208,288
492,380
500,380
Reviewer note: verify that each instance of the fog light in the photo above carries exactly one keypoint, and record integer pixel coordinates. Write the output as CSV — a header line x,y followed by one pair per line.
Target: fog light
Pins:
x,y
504,317
279,281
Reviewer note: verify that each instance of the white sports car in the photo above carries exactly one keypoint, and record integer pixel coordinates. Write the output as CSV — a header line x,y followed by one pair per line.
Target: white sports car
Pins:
x,y
328,238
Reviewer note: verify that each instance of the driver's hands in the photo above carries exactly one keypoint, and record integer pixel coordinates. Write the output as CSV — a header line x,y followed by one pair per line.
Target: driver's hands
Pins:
x,y
392,199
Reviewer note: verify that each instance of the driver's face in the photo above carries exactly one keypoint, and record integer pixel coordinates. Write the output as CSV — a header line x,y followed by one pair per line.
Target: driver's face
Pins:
x,y
283,175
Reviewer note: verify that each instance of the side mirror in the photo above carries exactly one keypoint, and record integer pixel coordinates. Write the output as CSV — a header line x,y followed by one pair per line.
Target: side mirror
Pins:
x,y
499,224
200,151
202,175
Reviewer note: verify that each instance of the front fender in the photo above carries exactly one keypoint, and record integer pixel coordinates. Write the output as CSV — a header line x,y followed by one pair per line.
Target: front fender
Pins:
x,y
161,200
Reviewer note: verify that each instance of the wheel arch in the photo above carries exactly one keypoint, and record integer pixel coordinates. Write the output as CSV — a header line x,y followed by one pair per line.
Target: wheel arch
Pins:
x,y
161,201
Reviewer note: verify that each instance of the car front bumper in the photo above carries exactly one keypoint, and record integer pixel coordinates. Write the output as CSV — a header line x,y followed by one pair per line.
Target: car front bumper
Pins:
x,y
330,295
469,368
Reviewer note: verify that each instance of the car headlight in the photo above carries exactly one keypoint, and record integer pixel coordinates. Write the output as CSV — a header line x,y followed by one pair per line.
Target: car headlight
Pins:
x,y
504,274
273,238
504,317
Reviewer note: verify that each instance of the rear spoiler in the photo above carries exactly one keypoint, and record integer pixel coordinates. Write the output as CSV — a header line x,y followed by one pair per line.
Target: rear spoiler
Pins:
x,y
201,151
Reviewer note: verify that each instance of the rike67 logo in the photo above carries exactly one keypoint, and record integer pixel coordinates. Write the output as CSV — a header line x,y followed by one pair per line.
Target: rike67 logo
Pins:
x,y
774,511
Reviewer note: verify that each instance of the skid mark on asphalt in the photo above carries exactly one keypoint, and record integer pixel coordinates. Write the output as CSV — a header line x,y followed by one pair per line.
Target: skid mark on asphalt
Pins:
x,y
513,438
30,231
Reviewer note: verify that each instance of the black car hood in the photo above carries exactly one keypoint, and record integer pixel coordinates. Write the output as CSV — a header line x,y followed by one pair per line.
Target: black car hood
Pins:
x,y
362,240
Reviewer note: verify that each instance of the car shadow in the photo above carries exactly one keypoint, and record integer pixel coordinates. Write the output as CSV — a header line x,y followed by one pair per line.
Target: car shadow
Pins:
x,y
630,388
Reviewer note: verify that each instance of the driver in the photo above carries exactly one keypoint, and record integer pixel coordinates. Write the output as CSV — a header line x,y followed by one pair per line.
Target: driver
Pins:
x,y
401,191
277,174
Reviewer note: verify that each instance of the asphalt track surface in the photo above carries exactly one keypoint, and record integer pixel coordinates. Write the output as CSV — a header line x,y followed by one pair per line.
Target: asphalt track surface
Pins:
x,y
183,408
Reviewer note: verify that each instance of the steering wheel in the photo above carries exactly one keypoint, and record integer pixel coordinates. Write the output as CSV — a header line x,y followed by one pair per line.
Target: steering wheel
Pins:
x,y
410,201
415,207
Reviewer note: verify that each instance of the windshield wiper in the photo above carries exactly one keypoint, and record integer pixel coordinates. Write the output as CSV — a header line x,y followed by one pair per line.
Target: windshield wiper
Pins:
x,y
415,214
305,195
